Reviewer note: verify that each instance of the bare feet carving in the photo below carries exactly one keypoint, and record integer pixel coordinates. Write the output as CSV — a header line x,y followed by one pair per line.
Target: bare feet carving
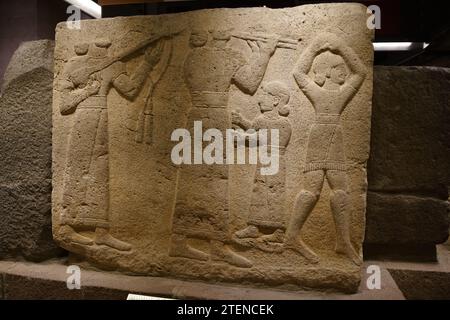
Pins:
x,y
300,247
219,252
70,235
103,237
249,232
180,248
276,237
350,252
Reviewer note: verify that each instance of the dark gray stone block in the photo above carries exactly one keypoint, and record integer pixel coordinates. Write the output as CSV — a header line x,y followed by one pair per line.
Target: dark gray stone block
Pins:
x,y
25,163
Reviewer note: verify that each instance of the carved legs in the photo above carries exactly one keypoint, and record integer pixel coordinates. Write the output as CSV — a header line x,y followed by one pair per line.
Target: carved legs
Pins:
x,y
339,202
339,206
86,186
303,207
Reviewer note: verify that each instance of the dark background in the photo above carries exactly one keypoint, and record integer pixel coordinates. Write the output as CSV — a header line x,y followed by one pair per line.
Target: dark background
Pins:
x,y
401,20
26,20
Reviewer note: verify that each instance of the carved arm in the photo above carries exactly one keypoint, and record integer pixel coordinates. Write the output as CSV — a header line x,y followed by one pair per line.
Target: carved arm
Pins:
x,y
131,86
249,77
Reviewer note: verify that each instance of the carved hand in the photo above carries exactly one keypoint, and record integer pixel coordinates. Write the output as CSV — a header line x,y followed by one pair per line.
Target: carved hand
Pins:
x,y
236,117
253,46
329,41
94,87
269,46
154,53
324,46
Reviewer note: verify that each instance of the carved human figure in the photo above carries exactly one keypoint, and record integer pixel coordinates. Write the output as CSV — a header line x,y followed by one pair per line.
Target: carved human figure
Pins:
x,y
330,90
84,88
201,208
267,221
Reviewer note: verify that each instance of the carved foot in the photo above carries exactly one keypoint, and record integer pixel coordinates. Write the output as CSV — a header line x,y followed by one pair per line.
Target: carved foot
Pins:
x,y
249,232
180,248
68,234
102,237
219,252
350,252
300,247
276,237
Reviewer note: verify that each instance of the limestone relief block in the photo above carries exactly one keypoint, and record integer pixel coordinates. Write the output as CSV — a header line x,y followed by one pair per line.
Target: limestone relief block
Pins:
x,y
300,77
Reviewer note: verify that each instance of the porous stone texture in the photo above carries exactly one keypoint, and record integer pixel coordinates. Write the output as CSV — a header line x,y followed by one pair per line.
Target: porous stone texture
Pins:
x,y
124,85
404,219
421,285
25,164
409,165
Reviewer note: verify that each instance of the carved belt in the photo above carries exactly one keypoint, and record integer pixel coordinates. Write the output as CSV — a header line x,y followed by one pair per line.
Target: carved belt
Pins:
x,y
324,118
94,102
205,99
281,150
273,147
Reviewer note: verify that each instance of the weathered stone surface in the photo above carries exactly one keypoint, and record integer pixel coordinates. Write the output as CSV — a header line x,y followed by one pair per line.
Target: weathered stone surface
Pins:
x,y
409,165
25,165
410,142
121,202
29,56
403,219
422,285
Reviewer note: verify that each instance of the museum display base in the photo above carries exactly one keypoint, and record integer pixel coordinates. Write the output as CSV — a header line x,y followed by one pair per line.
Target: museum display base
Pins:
x,y
24,280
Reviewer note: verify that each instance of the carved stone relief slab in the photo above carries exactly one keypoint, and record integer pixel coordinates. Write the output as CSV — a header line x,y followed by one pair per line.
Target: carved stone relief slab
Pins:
x,y
124,86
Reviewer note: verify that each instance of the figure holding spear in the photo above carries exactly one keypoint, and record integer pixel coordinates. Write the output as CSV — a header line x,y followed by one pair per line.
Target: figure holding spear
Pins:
x,y
86,81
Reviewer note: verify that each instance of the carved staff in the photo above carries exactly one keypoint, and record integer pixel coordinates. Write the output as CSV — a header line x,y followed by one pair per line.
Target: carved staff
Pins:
x,y
82,75
145,122
284,43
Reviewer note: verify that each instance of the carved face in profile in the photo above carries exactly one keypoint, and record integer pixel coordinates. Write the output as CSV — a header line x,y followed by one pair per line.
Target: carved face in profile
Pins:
x,y
267,101
329,66
338,74
198,38
273,95
81,49
99,49
221,35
